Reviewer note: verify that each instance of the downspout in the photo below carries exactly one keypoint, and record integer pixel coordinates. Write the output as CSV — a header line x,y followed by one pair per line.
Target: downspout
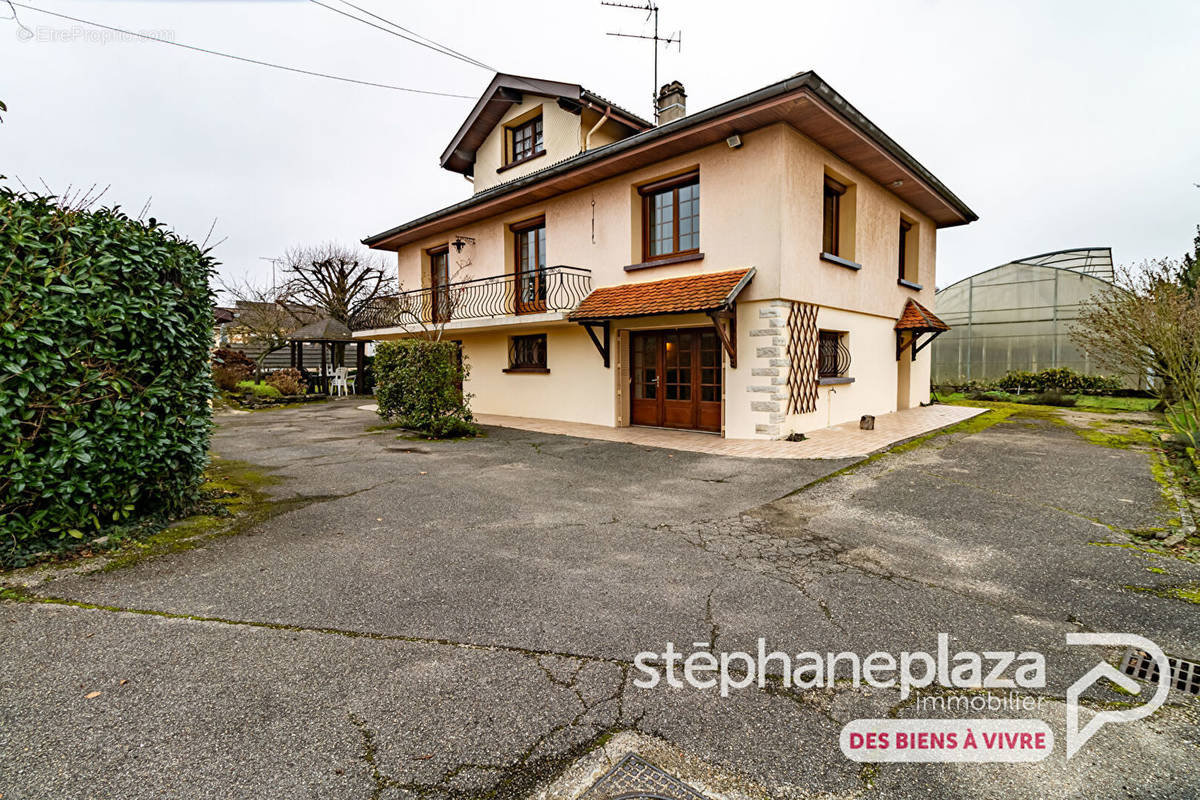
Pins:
x,y
587,139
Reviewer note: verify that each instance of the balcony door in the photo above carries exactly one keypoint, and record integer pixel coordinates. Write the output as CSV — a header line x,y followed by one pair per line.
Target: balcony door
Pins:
x,y
530,262
676,379
439,281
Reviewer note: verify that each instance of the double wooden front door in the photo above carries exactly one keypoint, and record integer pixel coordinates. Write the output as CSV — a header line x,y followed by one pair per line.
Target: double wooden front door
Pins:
x,y
676,379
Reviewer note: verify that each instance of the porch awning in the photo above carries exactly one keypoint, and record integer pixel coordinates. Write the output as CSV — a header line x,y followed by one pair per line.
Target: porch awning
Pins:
x,y
710,291
919,319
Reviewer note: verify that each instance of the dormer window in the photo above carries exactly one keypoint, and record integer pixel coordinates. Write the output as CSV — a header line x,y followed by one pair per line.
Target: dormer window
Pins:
x,y
526,140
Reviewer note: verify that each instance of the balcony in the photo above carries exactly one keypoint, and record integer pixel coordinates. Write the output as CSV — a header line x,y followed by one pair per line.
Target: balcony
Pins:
x,y
553,289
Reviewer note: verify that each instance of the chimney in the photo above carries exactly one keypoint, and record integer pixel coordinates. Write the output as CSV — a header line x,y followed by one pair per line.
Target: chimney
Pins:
x,y
671,104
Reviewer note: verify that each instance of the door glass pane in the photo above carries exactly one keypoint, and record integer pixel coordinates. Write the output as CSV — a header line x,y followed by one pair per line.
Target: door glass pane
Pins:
x,y
710,368
645,368
678,358
541,259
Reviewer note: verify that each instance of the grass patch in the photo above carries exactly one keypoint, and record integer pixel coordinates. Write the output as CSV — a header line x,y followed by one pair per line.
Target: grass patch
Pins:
x,y
1083,402
1187,592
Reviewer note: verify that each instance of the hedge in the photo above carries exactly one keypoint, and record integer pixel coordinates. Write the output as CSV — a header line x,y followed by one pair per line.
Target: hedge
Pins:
x,y
417,385
1062,379
105,332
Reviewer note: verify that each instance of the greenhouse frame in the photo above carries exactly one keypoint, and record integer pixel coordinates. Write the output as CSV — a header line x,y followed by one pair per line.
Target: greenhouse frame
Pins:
x,y
1018,316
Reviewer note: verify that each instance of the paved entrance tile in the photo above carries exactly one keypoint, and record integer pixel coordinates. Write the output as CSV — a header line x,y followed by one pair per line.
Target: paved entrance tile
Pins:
x,y
840,441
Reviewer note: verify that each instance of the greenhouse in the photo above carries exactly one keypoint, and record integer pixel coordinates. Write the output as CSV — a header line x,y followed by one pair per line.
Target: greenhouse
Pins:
x,y
1018,316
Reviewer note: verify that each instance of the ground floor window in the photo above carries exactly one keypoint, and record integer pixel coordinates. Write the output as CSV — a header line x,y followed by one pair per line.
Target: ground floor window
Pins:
x,y
833,355
527,353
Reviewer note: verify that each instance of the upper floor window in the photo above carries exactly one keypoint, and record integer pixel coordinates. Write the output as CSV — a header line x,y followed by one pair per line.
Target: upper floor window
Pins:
x,y
530,262
907,255
526,140
834,191
439,281
671,217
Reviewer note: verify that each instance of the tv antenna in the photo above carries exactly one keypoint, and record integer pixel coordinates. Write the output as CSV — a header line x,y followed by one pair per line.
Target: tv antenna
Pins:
x,y
651,9
275,262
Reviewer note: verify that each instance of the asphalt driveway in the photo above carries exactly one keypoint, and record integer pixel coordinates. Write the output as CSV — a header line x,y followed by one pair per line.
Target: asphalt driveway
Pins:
x,y
458,619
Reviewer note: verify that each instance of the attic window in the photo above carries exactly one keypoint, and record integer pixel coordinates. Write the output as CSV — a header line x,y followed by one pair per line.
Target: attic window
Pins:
x,y
526,140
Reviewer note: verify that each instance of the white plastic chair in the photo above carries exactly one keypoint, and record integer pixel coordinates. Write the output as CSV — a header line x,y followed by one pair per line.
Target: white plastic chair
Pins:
x,y
340,383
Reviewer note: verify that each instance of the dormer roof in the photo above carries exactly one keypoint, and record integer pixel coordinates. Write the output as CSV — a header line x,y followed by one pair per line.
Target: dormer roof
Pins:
x,y
507,90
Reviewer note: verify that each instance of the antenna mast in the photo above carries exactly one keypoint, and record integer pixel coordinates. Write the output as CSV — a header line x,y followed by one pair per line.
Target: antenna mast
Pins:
x,y
676,39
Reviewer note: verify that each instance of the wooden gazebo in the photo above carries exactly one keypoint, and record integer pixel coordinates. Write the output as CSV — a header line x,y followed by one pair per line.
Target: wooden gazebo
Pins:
x,y
328,333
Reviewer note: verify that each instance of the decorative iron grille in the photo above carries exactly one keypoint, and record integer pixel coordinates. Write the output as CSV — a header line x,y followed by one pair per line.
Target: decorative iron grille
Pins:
x,y
834,355
557,289
527,352
802,358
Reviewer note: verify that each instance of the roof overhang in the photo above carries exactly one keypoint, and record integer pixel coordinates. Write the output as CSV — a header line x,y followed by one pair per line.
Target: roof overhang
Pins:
x,y
805,102
506,91
703,293
919,319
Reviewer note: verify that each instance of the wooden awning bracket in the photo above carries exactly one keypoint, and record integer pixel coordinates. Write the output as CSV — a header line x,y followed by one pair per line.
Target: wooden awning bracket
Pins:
x,y
901,345
605,347
725,322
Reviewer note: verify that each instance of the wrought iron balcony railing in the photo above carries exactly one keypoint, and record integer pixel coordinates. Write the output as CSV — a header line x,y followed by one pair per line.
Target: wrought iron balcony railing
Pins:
x,y
550,289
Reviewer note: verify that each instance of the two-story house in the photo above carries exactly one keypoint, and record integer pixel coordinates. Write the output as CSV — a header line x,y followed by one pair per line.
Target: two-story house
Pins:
x,y
756,269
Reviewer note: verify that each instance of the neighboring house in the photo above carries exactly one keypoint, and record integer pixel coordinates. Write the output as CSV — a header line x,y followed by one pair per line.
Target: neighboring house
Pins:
x,y
752,269
1018,316
300,316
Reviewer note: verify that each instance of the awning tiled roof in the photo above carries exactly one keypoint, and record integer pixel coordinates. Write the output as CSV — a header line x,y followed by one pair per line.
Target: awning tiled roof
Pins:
x,y
917,317
705,292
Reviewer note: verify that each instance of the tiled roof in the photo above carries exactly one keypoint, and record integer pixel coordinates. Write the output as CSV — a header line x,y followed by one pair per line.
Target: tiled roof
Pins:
x,y
917,317
704,292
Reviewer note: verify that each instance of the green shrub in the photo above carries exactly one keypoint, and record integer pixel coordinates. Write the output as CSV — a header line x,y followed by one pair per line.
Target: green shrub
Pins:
x,y
259,389
287,381
1062,379
416,385
105,330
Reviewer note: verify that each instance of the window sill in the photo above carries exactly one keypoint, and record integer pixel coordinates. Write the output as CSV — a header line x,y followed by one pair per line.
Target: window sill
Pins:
x,y
525,160
841,262
909,284
662,262
833,381
527,370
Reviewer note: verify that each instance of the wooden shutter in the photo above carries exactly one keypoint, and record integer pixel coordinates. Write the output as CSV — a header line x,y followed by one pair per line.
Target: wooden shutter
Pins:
x,y
622,358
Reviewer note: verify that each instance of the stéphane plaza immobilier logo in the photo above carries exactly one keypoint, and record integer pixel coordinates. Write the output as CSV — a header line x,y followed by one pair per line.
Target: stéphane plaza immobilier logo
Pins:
x,y
999,673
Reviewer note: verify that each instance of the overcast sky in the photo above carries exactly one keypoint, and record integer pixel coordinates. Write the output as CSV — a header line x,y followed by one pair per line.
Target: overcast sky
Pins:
x,y
1062,124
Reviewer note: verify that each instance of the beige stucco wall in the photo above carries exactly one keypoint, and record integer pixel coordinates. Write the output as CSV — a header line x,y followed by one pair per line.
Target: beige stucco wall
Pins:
x,y
740,223
760,206
578,388
876,245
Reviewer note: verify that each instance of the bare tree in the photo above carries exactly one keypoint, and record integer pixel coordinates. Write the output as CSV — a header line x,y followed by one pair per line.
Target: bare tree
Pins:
x,y
338,279
263,318
1148,323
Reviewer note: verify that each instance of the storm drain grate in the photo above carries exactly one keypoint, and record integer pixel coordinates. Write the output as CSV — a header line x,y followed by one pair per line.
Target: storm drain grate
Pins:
x,y
1185,675
634,777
